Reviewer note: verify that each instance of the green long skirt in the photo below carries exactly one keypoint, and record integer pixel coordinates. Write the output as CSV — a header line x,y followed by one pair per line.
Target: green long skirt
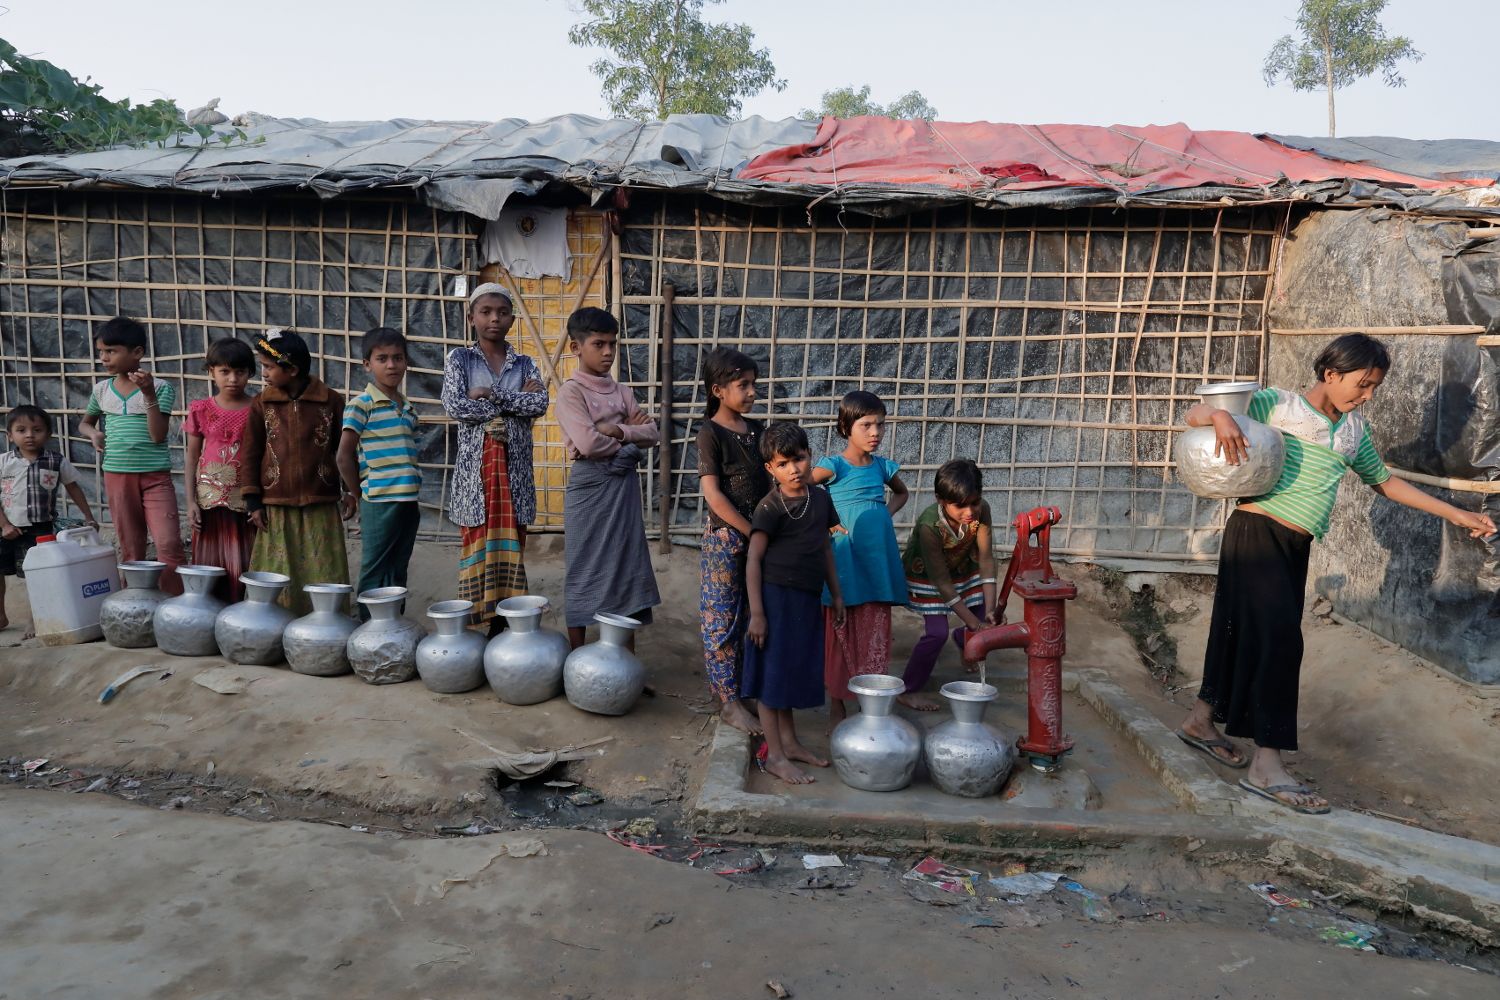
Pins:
x,y
305,543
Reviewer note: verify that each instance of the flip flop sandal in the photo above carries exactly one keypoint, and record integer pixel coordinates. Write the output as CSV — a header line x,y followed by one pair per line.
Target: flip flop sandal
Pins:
x,y
1207,747
1270,792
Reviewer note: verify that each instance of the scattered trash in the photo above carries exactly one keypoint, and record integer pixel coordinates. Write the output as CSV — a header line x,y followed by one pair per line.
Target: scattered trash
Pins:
x,y
767,858
359,829
534,763
209,769
561,784
97,784
1012,868
660,920
130,783
821,861
932,872
32,765
1273,896
472,798
641,826
585,797
1357,937
222,680
1028,884
872,859
778,990
108,694
477,828
822,880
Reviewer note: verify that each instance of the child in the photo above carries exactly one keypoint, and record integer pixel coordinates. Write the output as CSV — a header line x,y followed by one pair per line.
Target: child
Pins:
x,y
214,467
137,466
378,461
789,562
494,392
604,535
732,476
865,552
291,471
29,478
950,567
1251,665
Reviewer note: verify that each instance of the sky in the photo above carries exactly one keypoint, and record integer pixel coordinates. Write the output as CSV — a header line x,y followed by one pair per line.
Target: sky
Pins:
x,y
1095,62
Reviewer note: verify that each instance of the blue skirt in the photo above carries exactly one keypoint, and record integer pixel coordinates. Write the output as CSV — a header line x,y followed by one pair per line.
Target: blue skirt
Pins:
x,y
788,671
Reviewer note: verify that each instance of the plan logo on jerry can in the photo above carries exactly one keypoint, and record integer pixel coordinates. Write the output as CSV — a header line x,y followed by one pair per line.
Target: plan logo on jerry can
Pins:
x,y
96,589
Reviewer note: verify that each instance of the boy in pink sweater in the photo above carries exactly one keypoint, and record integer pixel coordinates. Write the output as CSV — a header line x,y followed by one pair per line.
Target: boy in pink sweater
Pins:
x,y
604,533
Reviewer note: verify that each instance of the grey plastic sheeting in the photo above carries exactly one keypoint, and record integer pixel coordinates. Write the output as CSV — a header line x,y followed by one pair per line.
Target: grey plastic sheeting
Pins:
x,y
1442,159
475,167
458,166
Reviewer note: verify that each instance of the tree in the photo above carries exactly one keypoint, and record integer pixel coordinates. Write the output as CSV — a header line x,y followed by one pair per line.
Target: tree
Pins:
x,y
1341,41
45,109
666,60
846,102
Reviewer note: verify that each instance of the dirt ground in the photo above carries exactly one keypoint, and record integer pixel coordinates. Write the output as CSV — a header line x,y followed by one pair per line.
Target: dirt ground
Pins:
x,y
105,898
181,896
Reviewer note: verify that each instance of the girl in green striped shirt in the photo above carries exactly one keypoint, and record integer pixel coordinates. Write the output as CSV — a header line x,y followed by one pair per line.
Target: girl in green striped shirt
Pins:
x,y
1254,654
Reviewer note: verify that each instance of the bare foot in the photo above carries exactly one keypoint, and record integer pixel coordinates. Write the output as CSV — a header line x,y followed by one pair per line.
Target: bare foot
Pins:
x,y
735,714
788,772
796,751
917,702
29,634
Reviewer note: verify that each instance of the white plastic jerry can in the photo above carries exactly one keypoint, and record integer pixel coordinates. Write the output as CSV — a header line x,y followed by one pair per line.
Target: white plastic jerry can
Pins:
x,y
68,576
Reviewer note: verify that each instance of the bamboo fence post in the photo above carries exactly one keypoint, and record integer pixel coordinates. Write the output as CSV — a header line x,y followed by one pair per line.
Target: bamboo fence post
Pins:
x,y
664,454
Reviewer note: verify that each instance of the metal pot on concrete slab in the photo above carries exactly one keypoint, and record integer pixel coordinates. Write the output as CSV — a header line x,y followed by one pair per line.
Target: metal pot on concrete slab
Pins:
x,y
316,644
184,625
964,755
451,660
875,749
524,663
250,631
604,677
126,616
1209,476
384,649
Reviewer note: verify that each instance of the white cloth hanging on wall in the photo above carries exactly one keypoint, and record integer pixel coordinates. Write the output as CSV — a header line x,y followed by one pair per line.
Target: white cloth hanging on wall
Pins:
x,y
529,242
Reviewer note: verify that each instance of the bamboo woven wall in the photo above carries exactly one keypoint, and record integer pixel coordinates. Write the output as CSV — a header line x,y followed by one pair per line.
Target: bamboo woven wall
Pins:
x,y
1058,349
196,269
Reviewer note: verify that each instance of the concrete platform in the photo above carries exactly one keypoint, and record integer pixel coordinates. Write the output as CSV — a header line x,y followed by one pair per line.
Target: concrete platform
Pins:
x,y
1129,780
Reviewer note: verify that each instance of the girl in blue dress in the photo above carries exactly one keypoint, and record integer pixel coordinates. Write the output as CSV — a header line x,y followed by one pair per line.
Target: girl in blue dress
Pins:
x,y
865,553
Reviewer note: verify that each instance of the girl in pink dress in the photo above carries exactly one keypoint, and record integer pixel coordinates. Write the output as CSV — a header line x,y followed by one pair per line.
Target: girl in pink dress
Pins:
x,y
222,532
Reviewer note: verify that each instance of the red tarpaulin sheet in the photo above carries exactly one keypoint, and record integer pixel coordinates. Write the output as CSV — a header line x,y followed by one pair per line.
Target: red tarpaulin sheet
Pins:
x,y
1128,158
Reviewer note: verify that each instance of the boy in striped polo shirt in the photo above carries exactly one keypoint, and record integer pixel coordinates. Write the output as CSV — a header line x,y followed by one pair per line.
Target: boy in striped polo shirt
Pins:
x,y
137,467
378,451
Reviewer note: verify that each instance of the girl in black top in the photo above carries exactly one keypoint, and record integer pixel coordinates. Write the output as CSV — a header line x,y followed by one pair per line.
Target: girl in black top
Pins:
x,y
733,478
788,562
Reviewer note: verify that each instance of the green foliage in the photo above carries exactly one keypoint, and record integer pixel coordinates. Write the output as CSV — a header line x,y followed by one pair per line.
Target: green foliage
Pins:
x,y
44,108
664,59
846,102
1341,41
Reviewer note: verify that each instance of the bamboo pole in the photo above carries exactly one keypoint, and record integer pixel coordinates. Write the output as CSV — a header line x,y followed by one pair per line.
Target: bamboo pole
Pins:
x,y
664,488
1437,330
1446,483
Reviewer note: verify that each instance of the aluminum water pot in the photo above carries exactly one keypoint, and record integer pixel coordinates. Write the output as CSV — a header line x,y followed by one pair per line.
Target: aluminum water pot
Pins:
x,y
604,677
126,616
250,631
964,755
875,749
184,625
315,644
384,649
451,660
524,663
1213,477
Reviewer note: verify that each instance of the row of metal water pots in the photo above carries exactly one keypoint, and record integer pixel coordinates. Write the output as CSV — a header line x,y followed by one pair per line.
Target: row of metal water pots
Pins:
x,y
877,750
524,665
